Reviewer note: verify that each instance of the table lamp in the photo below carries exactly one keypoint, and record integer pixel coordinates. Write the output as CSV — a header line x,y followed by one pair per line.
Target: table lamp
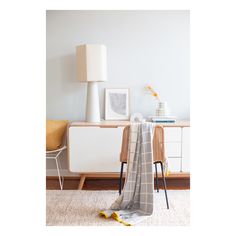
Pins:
x,y
92,68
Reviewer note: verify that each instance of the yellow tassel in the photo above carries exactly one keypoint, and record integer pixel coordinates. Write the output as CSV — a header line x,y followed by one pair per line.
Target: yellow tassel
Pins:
x,y
116,217
102,213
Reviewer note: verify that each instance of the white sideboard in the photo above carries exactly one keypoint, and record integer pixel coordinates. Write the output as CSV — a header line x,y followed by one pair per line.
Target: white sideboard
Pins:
x,y
95,147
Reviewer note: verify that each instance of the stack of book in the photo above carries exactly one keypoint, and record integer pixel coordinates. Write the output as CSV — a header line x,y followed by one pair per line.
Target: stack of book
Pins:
x,y
162,119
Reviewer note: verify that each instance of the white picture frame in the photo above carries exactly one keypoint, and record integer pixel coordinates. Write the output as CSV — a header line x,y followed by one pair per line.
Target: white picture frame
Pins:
x,y
117,102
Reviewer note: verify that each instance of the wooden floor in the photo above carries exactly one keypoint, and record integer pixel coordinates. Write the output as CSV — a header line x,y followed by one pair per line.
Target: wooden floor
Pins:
x,y
110,184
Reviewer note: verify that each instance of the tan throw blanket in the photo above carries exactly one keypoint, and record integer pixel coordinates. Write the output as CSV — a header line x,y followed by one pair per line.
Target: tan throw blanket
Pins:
x,y
136,201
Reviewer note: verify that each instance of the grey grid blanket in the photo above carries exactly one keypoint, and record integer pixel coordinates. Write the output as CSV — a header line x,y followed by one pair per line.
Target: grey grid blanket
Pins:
x,y
136,201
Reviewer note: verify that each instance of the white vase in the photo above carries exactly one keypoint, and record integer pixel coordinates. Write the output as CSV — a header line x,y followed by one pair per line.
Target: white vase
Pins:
x,y
162,109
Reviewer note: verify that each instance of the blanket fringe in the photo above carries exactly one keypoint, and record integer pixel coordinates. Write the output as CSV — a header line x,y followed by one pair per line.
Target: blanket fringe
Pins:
x,y
115,216
103,213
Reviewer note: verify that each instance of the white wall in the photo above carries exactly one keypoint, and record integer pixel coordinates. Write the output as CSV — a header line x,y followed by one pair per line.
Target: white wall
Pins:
x,y
144,47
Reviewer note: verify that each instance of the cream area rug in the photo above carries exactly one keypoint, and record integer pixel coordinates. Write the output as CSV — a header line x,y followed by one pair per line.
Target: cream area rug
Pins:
x,y
80,207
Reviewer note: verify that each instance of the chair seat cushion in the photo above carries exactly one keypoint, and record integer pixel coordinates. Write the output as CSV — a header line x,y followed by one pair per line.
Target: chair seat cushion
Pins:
x,y
55,130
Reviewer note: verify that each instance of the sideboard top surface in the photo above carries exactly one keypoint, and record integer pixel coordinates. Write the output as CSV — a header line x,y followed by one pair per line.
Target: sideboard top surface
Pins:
x,y
179,123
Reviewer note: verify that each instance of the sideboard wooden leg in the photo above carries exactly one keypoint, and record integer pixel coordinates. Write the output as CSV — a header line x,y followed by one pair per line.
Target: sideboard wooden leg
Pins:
x,y
81,182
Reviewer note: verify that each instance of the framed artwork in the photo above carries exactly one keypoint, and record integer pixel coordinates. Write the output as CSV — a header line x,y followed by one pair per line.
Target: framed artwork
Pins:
x,y
117,104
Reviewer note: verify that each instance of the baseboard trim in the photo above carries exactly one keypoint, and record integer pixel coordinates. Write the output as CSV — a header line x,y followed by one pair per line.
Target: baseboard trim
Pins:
x,y
52,174
110,181
72,183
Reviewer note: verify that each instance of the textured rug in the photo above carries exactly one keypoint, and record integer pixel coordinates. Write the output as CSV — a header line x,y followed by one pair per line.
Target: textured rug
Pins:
x,y
76,207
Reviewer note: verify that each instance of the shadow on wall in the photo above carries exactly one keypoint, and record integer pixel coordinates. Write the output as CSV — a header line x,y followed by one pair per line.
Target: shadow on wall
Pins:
x,y
68,72
64,92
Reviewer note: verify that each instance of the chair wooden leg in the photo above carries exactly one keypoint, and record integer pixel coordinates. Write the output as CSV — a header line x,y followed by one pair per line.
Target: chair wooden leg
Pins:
x,y
81,182
164,181
156,177
121,175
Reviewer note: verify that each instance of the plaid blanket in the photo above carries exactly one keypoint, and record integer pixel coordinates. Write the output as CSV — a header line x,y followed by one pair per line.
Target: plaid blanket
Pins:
x,y
136,201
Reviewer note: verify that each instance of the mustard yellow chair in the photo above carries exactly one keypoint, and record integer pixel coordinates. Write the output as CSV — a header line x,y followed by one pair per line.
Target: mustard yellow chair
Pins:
x,y
56,143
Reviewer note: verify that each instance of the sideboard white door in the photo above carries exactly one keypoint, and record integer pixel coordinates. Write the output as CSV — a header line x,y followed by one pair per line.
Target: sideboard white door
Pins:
x,y
186,150
173,148
94,149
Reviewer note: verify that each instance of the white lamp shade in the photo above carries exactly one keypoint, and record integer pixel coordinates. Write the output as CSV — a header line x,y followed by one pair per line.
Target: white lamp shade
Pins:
x,y
91,62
